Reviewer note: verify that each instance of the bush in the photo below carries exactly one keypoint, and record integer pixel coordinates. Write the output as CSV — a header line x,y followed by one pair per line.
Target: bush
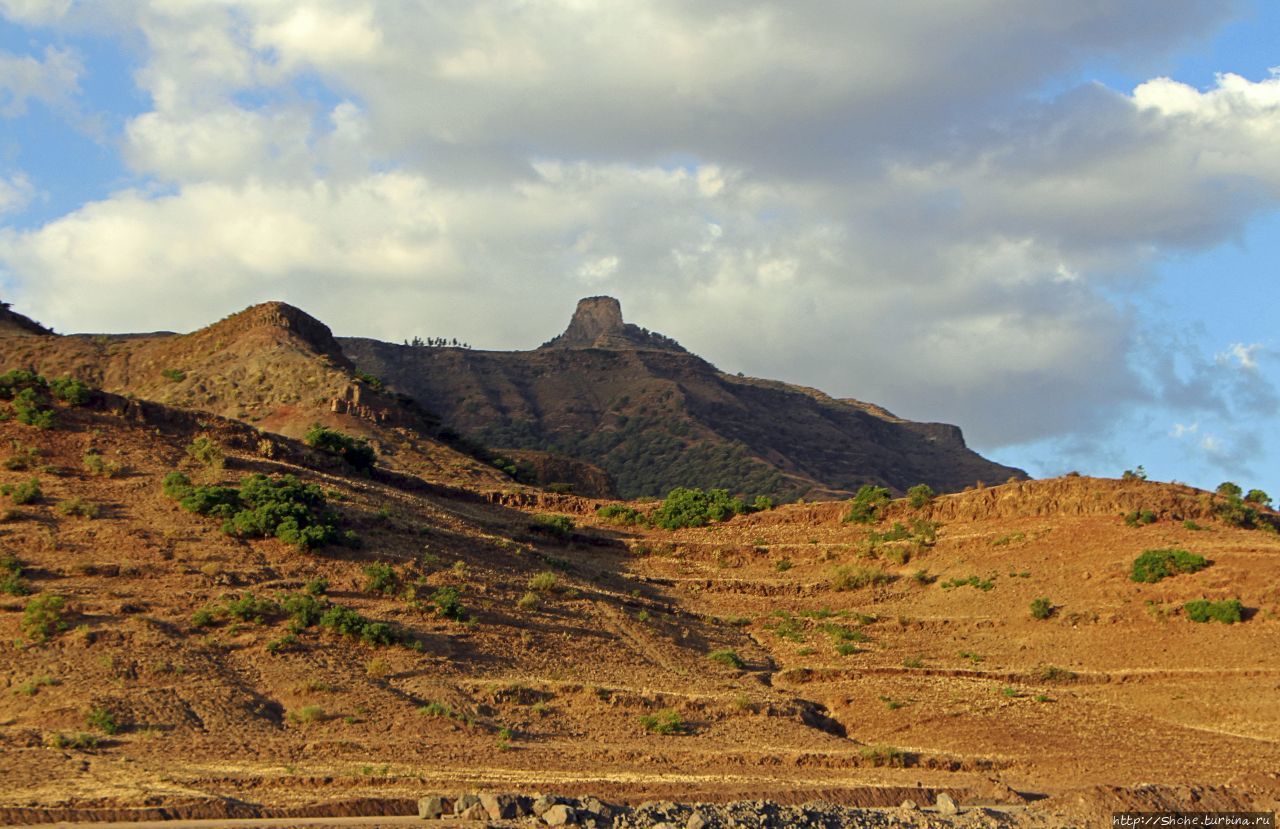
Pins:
x,y
42,618
1154,565
1259,497
380,578
308,714
529,601
205,451
70,390
283,507
175,375
304,608
884,756
448,604
544,582
23,457
11,576
1041,608
1227,489
855,578
621,514
1227,611
30,401
102,720
95,464
866,504
79,506
692,507
356,452
972,581
1138,474
727,658
667,721
249,608
762,503
920,495
1138,518
23,493
560,526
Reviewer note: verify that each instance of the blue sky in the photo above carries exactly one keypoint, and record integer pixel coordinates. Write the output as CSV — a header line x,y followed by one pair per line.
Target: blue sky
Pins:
x,y
1054,226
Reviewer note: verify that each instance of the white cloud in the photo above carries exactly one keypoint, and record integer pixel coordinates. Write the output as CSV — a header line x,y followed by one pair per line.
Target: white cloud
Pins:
x,y
16,192
1181,430
860,215
51,80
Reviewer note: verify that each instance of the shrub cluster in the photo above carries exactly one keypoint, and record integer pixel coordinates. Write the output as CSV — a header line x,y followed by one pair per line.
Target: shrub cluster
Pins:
x,y
1238,509
622,514
559,526
356,452
261,507
693,507
303,610
42,618
27,492
1137,518
1227,611
866,504
11,576
667,721
920,495
1154,565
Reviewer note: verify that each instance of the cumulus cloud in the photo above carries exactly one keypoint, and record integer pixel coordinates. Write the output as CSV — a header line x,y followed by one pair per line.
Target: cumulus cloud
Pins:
x,y
52,79
16,191
868,199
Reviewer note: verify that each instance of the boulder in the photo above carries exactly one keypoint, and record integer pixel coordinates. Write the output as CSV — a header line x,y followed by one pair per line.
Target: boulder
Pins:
x,y
560,815
500,806
465,802
945,804
431,808
474,812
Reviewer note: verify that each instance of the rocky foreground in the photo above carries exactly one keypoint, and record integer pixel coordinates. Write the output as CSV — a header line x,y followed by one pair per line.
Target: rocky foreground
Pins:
x,y
515,810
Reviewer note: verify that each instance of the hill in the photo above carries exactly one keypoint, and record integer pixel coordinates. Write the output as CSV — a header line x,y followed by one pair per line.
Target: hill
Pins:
x,y
656,417
526,642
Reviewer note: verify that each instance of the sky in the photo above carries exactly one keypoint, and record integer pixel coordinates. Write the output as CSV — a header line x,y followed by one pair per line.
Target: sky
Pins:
x,y
1056,225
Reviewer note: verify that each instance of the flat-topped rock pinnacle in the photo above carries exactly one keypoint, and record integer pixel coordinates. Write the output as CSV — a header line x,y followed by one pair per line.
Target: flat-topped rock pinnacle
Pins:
x,y
597,323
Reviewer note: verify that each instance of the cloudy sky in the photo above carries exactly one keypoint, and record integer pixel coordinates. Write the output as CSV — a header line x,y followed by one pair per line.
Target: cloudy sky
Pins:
x,y
1054,224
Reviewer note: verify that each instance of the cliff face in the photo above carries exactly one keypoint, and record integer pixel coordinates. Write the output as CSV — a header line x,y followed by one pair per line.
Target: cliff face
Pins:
x,y
655,417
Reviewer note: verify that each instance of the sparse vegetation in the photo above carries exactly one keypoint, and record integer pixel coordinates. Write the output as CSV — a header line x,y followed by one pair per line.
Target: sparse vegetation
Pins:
x,y
865,506
11,576
971,581
855,577
80,507
380,578
1154,565
1138,474
175,375
920,495
42,619
886,756
357,453
448,604
27,492
101,719
1227,611
95,464
544,582
22,457
728,658
1139,518
667,721
205,451
622,514
308,714
1041,608
70,390
558,526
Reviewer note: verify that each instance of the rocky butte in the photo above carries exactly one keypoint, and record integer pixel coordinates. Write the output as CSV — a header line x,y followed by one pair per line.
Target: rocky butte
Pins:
x,y
638,405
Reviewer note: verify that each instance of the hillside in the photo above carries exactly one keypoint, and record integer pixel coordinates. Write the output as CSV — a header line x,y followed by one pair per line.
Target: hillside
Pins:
x,y
656,417
784,671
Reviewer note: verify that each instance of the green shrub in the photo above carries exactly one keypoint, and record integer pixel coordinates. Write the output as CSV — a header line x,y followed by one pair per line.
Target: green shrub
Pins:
x,y
1227,611
380,578
920,495
249,608
972,581
203,618
27,492
1227,489
436,709
304,609
95,464
308,714
16,380
317,586
1154,565
884,756
70,390
762,503
544,582
101,719
175,375
866,504
356,452
42,618
78,506
667,721
1041,608
529,601
30,406
206,451
692,507
1138,474
1191,525
11,576
1138,518
855,578
621,514
448,604
1259,497
727,658
283,507
23,458
560,526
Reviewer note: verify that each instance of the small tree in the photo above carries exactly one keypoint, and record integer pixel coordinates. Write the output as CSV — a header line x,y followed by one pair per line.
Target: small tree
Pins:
x,y
920,495
1257,496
